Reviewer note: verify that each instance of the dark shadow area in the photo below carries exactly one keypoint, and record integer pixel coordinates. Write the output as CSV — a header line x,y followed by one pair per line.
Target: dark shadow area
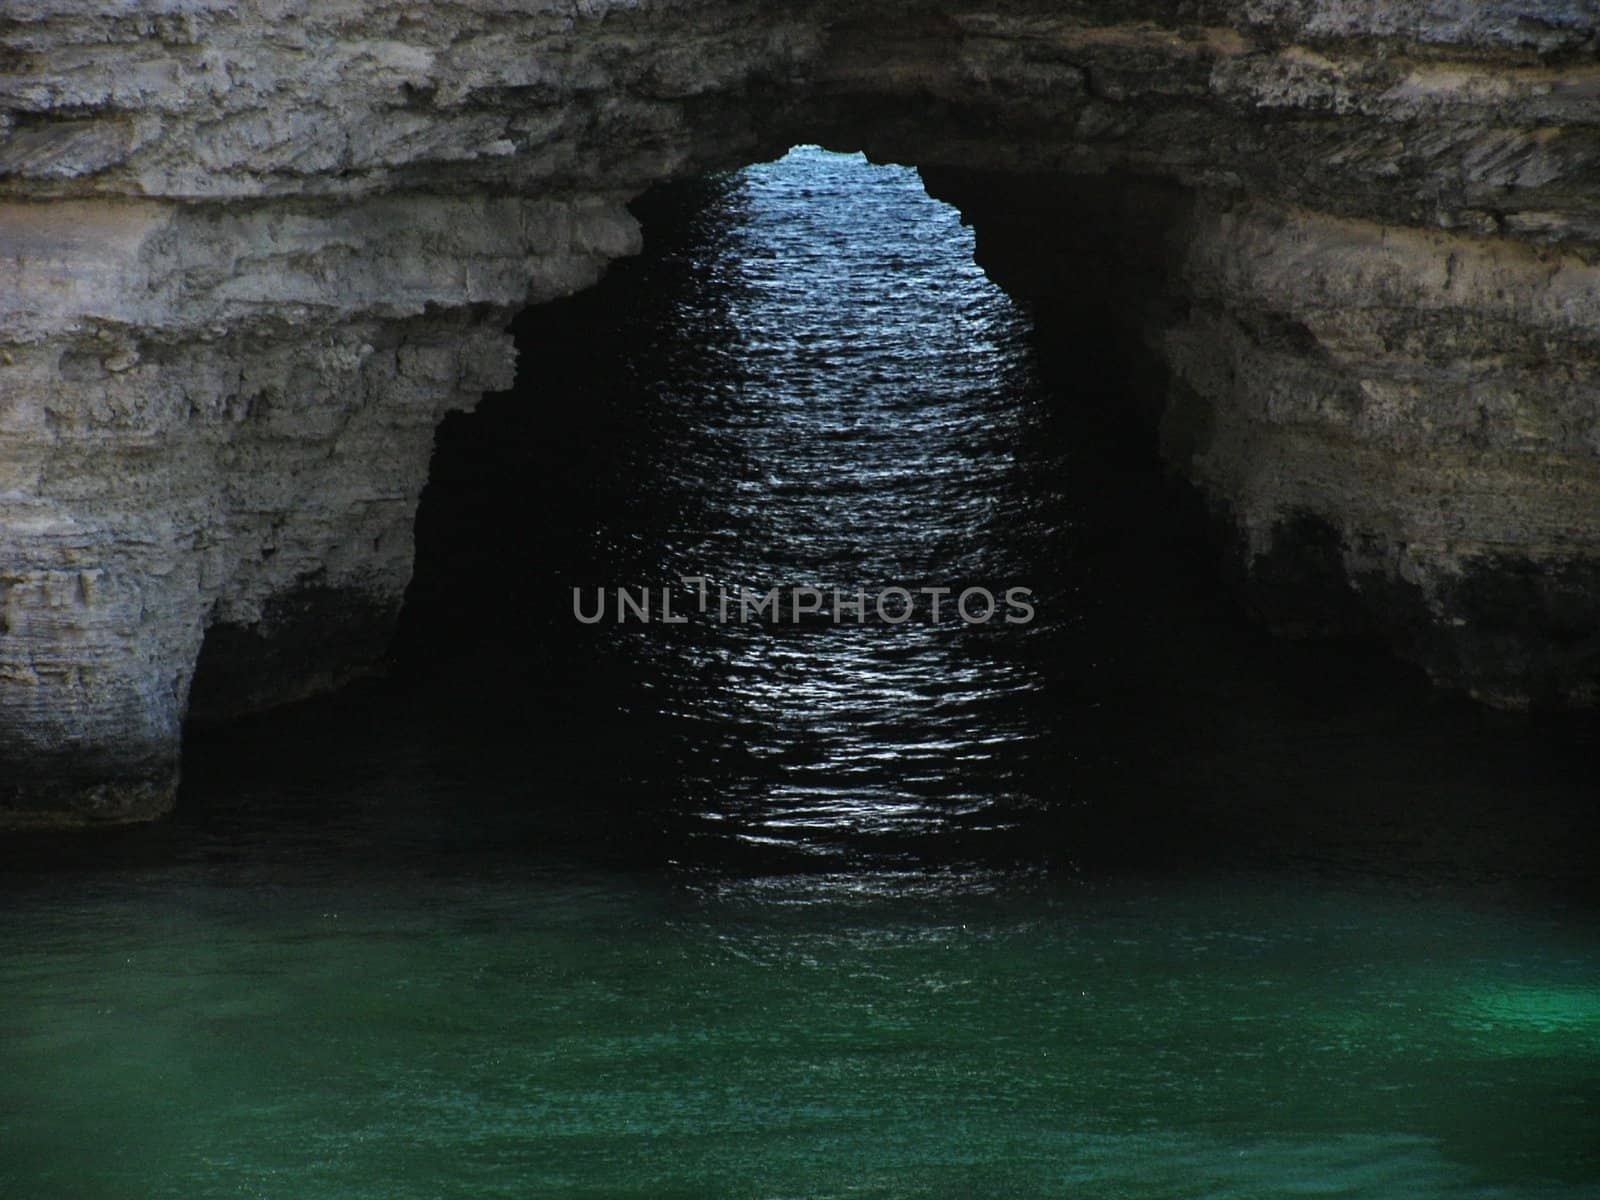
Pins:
x,y
1166,732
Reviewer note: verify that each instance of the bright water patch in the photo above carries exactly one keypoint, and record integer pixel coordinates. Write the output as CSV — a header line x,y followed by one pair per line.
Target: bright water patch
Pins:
x,y
1525,1018
848,405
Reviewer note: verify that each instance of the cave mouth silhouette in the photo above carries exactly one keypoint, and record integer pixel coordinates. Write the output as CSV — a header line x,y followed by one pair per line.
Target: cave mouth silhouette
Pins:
x,y
1159,729
806,378
521,460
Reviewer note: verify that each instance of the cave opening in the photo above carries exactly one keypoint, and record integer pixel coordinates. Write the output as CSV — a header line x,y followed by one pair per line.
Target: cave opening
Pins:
x,y
807,380
811,377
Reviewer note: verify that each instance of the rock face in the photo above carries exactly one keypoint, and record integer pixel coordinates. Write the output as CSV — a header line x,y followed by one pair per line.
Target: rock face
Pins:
x,y
251,253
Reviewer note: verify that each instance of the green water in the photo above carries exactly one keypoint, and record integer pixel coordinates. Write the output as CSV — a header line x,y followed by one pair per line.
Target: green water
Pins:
x,y
591,1034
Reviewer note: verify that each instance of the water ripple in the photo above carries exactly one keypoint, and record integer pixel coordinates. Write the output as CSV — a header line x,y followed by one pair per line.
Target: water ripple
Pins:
x,y
855,423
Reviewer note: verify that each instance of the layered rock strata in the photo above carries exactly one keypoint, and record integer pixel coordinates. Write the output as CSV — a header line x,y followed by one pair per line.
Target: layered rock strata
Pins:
x,y
251,253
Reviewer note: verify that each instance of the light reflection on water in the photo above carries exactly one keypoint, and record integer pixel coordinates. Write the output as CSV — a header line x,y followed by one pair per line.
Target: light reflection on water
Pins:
x,y
856,427
1128,903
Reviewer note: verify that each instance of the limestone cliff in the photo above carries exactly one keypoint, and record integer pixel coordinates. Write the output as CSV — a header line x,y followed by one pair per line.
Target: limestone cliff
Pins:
x,y
251,252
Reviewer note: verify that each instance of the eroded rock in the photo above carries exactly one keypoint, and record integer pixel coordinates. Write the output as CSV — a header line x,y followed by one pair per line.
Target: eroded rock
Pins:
x,y
251,253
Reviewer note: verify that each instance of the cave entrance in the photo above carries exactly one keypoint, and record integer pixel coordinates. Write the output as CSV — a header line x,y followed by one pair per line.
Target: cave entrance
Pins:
x,y
807,382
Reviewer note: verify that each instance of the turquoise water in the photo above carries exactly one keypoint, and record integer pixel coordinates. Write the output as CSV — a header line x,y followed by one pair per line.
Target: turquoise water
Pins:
x,y
575,1033
1132,903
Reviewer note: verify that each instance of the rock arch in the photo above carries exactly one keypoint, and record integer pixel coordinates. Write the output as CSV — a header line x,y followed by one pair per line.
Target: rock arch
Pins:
x,y
251,253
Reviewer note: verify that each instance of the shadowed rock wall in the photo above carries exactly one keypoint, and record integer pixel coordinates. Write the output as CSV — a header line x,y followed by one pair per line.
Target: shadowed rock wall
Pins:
x,y
251,253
